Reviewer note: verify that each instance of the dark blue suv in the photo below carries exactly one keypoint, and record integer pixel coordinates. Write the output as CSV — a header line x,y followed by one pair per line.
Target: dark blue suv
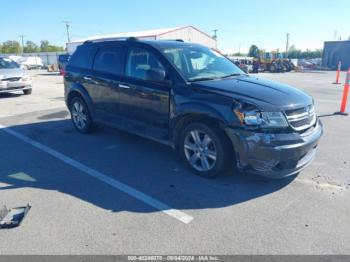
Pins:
x,y
197,101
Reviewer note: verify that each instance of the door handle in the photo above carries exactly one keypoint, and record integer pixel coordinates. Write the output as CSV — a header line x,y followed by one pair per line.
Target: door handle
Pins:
x,y
124,86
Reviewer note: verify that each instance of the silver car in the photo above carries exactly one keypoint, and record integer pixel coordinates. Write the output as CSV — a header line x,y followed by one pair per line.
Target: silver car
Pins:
x,y
13,78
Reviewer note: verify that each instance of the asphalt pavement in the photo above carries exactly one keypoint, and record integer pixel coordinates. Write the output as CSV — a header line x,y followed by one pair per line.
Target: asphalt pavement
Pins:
x,y
111,192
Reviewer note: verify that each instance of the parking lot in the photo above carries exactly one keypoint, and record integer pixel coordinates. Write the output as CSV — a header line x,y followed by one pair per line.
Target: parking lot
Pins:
x,y
111,192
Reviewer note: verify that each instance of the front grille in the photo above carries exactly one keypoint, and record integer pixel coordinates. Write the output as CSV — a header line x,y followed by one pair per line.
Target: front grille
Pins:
x,y
12,79
301,118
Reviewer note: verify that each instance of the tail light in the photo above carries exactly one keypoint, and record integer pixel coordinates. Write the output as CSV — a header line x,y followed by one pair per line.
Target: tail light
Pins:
x,y
62,72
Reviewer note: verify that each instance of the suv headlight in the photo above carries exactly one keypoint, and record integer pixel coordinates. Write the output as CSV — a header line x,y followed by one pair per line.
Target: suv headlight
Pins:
x,y
261,119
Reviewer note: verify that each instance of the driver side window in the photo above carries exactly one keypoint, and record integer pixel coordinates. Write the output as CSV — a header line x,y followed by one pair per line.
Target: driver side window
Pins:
x,y
139,61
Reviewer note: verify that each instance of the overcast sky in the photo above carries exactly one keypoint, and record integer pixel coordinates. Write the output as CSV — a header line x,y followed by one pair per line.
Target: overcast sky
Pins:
x,y
240,23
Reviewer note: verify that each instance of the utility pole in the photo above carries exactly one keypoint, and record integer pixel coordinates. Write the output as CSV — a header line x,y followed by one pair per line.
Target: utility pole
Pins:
x,y
67,23
215,36
287,44
22,38
335,35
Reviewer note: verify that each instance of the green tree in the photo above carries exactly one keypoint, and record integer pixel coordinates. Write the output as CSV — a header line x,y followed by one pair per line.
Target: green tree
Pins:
x,y
238,54
31,47
46,47
253,51
293,52
11,47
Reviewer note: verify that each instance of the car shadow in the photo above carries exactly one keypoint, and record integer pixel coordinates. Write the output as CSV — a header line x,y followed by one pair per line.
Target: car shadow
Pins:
x,y
147,166
11,95
333,114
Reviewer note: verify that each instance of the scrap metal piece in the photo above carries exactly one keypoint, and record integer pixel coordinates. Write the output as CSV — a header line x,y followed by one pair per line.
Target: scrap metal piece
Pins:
x,y
13,217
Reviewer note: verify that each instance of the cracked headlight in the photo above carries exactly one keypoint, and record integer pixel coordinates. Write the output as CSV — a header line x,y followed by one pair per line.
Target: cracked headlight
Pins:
x,y
261,119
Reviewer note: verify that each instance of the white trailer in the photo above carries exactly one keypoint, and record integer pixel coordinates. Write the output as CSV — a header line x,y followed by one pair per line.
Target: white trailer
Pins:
x,y
185,33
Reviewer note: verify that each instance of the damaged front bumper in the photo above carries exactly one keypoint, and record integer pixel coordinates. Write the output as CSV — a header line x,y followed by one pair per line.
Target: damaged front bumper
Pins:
x,y
275,155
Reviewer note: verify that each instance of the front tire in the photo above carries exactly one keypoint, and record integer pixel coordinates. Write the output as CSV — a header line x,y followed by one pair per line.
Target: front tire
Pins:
x,y
27,91
206,150
80,115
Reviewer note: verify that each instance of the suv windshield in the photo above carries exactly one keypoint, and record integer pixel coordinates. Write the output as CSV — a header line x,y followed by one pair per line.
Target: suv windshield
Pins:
x,y
199,63
6,63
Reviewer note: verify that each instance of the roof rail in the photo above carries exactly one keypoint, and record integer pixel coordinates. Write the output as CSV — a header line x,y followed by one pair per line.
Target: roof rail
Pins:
x,y
129,38
177,40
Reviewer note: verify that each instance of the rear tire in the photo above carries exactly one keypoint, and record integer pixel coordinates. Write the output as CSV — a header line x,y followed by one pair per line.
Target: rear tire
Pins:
x,y
27,91
272,69
206,150
80,115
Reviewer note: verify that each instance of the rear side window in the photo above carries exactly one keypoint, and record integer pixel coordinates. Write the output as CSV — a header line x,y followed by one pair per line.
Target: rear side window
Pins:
x,y
83,57
109,60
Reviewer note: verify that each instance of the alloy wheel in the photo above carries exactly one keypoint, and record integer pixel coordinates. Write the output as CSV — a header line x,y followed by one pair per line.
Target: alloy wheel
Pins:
x,y
200,150
79,115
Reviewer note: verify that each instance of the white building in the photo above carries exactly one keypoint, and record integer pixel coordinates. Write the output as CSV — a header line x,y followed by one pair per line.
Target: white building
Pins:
x,y
186,33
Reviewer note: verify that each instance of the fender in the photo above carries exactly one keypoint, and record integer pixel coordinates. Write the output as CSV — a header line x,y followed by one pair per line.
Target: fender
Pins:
x,y
76,87
193,109
198,108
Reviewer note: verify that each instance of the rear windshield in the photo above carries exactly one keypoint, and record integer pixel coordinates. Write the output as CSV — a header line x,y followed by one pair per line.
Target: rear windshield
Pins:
x,y
83,57
6,63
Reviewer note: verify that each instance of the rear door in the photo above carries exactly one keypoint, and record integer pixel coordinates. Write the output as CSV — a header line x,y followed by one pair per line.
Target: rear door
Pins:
x,y
107,75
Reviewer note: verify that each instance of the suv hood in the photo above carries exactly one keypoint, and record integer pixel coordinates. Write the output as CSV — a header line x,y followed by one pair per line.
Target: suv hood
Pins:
x,y
265,94
12,72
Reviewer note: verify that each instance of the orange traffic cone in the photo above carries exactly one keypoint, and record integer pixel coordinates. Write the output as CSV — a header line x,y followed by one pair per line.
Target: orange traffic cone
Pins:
x,y
345,93
338,74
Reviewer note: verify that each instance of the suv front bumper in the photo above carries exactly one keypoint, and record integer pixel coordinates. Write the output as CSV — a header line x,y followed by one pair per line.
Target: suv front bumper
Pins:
x,y
275,155
8,86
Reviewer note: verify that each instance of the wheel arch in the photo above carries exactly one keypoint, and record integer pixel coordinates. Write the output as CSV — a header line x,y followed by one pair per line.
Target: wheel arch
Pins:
x,y
194,113
78,90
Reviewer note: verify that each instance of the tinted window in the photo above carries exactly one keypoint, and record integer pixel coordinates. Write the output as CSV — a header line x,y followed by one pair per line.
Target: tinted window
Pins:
x,y
63,58
109,60
6,63
139,61
83,57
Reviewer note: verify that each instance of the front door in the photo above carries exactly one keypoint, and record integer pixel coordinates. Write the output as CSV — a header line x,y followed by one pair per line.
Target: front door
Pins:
x,y
141,100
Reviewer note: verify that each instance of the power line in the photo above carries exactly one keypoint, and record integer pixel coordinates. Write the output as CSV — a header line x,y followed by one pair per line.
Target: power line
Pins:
x,y
67,23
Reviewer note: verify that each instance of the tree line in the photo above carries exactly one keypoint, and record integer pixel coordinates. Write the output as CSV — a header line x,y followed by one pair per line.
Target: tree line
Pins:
x,y
14,47
293,52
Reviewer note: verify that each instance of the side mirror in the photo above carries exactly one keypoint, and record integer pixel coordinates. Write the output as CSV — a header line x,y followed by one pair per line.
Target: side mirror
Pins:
x,y
155,75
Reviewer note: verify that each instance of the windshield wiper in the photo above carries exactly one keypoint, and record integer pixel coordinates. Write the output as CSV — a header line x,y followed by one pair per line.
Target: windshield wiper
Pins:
x,y
234,74
202,79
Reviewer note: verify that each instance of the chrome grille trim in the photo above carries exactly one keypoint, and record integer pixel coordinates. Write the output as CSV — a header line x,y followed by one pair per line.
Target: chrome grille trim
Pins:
x,y
301,118
12,79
